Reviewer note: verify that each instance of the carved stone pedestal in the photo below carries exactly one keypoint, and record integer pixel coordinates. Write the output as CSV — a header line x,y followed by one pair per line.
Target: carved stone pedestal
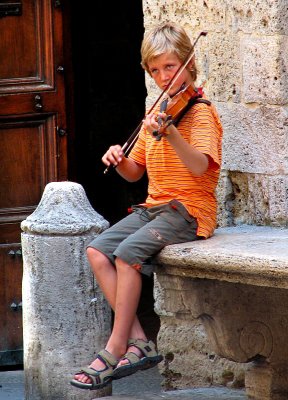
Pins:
x,y
248,323
243,304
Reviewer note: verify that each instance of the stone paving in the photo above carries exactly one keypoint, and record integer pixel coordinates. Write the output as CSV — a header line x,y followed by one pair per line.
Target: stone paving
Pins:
x,y
144,385
11,385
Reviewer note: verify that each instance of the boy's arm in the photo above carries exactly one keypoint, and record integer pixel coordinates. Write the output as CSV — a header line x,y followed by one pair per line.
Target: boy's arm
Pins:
x,y
193,159
126,167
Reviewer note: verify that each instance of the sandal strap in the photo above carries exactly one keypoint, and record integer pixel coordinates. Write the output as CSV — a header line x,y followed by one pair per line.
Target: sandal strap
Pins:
x,y
100,376
131,357
147,348
93,374
131,342
107,358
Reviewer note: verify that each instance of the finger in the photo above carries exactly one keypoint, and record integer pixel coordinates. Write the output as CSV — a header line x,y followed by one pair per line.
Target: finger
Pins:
x,y
115,155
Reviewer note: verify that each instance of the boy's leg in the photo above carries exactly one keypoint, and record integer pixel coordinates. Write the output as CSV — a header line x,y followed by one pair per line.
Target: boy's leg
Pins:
x,y
123,287
126,280
108,280
126,324
171,225
102,260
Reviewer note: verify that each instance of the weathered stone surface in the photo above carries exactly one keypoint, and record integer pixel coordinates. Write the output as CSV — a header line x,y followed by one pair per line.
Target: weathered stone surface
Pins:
x,y
66,319
265,65
255,255
262,16
189,360
61,212
265,382
252,199
225,195
255,139
242,322
197,16
235,283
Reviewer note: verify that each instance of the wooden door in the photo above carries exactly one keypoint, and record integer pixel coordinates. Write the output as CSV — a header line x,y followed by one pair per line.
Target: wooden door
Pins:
x,y
33,143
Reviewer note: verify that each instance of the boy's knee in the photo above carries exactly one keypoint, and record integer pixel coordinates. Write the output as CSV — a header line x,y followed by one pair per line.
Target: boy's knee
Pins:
x,y
90,251
121,264
93,254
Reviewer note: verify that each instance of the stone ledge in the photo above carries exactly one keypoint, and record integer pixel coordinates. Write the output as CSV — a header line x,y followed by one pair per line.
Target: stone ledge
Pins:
x,y
255,255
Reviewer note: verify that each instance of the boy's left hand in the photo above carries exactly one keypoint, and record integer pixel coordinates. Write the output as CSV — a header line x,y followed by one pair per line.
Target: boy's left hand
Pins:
x,y
157,122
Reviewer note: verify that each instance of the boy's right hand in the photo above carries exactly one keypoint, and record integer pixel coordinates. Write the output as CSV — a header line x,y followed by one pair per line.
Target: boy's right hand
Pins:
x,y
114,155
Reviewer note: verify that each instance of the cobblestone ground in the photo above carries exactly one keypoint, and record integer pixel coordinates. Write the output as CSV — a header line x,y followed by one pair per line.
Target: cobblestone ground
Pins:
x,y
144,385
11,385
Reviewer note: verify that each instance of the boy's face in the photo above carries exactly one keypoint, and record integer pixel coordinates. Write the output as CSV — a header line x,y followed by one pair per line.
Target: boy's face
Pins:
x,y
164,67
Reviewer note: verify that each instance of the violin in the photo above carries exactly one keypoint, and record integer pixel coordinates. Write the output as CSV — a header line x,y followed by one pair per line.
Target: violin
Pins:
x,y
176,105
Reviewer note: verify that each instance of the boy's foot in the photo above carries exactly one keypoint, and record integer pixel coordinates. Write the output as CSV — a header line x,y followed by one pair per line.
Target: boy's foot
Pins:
x,y
98,374
141,354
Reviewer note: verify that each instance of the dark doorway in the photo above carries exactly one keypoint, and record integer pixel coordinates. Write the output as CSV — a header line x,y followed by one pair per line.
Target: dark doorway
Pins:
x,y
109,98
109,103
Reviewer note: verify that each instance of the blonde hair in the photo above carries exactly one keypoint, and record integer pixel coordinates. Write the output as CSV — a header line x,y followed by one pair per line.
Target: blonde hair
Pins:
x,y
166,38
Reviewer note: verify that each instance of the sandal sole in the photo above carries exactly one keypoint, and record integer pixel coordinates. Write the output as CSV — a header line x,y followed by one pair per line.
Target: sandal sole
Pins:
x,y
88,386
145,363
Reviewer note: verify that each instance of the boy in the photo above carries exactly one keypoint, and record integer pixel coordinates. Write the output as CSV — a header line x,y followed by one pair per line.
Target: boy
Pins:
x,y
183,169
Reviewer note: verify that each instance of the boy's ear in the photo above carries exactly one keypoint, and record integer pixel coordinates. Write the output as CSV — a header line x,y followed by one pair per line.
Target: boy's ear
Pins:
x,y
191,64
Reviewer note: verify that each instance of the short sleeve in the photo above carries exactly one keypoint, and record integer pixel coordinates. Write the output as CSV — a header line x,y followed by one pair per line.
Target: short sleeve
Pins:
x,y
206,131
137,153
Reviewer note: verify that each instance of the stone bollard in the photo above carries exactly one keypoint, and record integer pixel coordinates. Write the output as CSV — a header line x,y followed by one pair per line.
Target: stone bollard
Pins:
x,y
66,319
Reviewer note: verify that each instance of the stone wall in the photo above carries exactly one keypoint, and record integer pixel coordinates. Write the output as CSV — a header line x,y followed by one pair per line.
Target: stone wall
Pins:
x,y
243,62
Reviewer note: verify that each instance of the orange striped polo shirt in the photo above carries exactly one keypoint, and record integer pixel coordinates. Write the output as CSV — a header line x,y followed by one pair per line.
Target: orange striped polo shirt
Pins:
x,y
170,179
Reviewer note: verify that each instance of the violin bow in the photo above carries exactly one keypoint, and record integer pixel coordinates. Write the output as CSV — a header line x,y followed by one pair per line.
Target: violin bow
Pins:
x,y
134,136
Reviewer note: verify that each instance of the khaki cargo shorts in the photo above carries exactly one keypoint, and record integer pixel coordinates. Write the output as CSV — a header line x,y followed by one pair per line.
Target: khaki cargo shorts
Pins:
x,y
137,238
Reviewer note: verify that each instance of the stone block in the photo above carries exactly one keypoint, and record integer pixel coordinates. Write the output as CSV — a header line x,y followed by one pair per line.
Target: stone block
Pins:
x,y
219,59
225,200
265,66
195,17
265,382
235,284
263,17
255,138
252,199
189,360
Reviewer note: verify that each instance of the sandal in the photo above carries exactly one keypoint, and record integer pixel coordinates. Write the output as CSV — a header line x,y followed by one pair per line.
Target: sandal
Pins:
x,y
136,363
99,378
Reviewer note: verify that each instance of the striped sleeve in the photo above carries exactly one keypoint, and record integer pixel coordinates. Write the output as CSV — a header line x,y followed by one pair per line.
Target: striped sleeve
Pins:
x,y
137,153
206,131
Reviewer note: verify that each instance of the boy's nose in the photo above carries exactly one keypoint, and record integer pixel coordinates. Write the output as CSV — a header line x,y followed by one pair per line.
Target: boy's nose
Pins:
x,y
164,76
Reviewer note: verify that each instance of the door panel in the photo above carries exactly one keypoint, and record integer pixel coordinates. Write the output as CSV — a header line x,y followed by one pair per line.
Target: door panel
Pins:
x,y
28,156
10,304
27,48
32,153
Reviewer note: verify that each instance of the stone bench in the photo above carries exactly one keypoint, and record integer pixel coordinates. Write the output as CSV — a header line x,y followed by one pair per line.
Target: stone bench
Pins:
x,y
236,284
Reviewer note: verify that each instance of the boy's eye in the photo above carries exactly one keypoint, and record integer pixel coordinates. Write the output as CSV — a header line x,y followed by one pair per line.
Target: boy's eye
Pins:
x,y
168,67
